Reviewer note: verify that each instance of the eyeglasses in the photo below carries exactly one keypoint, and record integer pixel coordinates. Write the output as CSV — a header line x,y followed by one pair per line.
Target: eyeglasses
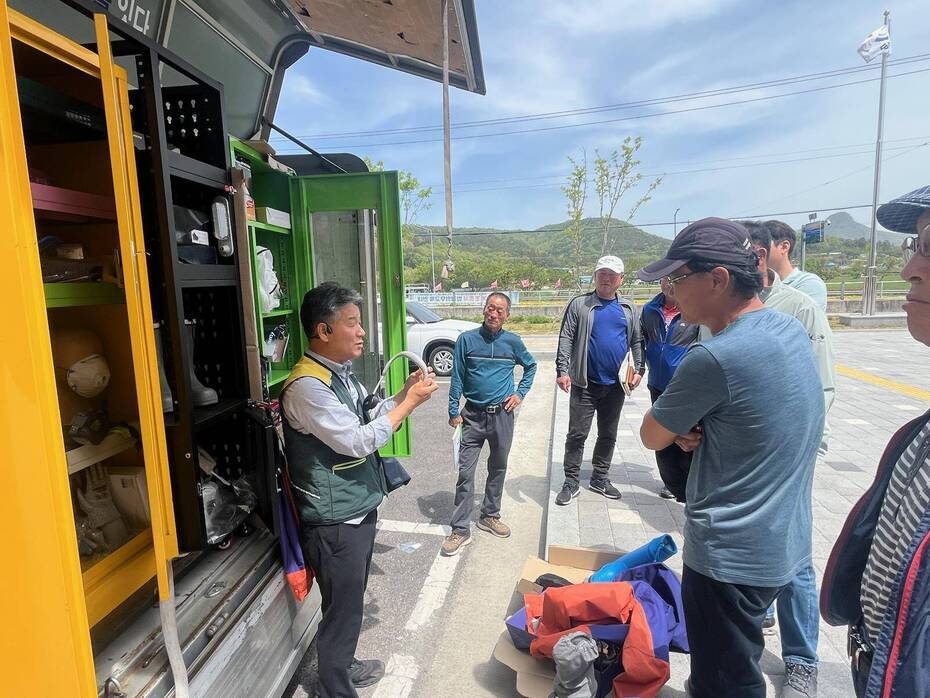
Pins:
x,y
670,281
917,244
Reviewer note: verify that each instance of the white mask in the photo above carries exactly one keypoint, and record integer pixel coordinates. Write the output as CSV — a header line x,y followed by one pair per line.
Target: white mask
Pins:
x,y
90,376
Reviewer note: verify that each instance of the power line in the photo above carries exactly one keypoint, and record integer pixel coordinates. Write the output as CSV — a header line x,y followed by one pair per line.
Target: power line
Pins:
x,y
702,170
622,226
627,118
809,77
563,175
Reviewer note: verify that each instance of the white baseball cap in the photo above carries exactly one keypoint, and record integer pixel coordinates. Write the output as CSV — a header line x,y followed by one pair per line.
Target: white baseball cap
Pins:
x,y
615,264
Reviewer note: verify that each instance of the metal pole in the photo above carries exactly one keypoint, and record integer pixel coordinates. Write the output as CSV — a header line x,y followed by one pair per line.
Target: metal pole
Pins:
x,y
432,261
446,127
675,221
803,249
868,296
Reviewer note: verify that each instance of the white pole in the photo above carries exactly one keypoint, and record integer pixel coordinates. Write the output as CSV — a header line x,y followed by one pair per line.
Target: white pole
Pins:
x,y
868,296
432,261
446,127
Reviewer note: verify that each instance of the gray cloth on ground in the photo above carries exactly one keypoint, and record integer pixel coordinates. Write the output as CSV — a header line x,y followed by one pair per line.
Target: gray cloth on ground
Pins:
x,y
574,656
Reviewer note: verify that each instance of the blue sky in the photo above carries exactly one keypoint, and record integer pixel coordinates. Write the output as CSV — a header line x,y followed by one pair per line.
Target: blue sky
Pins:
x,y
546,57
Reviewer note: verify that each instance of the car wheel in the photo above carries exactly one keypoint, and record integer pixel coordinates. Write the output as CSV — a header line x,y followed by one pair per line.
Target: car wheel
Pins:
x,y
440,360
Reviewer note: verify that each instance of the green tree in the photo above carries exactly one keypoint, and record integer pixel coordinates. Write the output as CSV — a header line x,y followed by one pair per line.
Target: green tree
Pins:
x,y
614,176
576,191
414,199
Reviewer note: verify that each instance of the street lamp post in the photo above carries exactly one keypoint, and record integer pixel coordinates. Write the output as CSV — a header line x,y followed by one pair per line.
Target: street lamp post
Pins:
x,y
675,221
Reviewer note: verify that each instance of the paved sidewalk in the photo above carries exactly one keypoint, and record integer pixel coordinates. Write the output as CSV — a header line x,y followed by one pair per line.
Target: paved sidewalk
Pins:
x,y
882,382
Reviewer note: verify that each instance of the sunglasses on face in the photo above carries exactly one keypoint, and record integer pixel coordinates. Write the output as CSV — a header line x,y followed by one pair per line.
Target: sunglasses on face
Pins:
x,y
917,244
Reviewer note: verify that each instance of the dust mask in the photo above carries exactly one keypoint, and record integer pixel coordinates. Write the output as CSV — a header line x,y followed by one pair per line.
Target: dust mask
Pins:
x,y
89,377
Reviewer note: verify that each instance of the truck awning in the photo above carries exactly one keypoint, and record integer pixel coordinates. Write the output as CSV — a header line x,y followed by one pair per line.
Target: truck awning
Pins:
x,y
401,34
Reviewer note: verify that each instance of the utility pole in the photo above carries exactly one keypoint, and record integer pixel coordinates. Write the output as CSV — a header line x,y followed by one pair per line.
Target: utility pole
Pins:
x,y
675,222
868,294
432,260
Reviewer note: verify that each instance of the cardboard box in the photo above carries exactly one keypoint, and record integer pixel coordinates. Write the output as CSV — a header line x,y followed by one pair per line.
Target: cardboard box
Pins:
x,y
273,216
535,676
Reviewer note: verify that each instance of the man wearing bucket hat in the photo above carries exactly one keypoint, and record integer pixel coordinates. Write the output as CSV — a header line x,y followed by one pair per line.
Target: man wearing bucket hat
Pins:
x,y
748,522
598,329
876,581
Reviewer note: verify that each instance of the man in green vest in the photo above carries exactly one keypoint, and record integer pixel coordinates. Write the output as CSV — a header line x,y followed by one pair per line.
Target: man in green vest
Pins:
x,y
336,479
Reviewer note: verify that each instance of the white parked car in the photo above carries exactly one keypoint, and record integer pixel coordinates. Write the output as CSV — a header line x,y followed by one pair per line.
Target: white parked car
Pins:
x,y
433,337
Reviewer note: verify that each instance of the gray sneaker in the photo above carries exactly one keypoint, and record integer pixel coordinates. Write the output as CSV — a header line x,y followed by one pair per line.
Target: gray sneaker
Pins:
x,y
454,543
800,681
567,494
605,488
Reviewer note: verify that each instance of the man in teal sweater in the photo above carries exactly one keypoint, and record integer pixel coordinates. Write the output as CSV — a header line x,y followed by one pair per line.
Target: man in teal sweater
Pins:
x,y
482,373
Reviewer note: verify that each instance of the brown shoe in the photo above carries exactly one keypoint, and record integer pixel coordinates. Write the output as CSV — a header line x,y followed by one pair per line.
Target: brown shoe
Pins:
x,y
454,543
494,526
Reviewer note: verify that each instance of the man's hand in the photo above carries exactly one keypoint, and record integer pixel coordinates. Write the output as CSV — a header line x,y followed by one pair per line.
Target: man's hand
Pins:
x,y
455,421
512,403
689,441
634,381
420,391
564,382
412,380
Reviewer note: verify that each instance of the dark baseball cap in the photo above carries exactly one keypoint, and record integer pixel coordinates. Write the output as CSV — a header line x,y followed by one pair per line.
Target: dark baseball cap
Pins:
x,y
712,240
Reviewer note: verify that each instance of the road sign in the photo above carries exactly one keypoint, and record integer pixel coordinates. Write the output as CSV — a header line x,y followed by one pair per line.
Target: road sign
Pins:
x,y
812,232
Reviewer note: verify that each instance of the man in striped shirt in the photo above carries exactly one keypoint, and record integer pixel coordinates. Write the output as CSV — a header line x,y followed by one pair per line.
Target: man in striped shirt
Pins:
x,y
888,633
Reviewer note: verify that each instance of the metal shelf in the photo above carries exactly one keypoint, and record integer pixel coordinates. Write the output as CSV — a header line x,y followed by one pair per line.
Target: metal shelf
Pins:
x,y
258,225
117,441
195,170
277,313
277,375
69,295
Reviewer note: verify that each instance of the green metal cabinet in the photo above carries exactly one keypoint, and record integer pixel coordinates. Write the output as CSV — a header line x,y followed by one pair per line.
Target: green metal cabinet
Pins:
x,y
344,228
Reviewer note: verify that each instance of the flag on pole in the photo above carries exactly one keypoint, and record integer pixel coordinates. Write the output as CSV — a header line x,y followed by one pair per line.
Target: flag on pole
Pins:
x,y
875,43
438,287
494,283
525,283
558,284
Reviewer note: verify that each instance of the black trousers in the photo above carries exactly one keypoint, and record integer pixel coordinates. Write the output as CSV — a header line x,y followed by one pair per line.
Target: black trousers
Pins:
x,y
606,401
673,463
340,554
724,624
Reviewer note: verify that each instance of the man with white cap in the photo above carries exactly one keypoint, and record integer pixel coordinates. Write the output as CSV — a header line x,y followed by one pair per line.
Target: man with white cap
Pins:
x,y
598,329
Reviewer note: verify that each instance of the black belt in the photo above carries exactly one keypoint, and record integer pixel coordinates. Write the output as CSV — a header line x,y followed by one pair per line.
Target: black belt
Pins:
x,y
490,409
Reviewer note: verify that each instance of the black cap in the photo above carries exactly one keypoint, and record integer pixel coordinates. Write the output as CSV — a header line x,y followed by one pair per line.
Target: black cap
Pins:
x,y
713,240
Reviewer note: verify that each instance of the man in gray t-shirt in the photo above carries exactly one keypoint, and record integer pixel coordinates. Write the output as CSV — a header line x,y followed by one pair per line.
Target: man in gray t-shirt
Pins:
x,y
749,402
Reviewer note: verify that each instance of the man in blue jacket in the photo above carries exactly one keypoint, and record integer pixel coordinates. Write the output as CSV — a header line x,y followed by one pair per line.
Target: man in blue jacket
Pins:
x,y
482,372
877,580
667,339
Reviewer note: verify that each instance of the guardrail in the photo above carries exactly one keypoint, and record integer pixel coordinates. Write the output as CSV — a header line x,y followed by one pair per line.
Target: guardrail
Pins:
x,y
837,290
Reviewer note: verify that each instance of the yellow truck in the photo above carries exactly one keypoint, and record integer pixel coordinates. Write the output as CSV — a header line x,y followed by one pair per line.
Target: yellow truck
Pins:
x,y
154,257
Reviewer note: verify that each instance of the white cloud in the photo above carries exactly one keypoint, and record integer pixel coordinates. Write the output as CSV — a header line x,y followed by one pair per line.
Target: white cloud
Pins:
x,y
623,16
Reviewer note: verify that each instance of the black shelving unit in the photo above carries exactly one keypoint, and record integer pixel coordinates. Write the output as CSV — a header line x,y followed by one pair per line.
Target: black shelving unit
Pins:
x,y
184,161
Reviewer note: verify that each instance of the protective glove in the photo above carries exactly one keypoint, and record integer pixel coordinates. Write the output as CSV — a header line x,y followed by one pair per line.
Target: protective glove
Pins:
x,y
97,503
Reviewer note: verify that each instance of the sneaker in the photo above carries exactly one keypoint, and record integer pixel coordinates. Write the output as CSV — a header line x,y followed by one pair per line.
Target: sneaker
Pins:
x,y
666,493
800,681
605,488
366,672
454,543
768,625
494,526
567,494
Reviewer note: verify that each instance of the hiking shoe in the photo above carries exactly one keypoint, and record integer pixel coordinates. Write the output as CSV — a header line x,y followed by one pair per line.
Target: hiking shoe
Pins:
x,y
454,543
605,488
366,672
494,526
800,681
666,493
567,494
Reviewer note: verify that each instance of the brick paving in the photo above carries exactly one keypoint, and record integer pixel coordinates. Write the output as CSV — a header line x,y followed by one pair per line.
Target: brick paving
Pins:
x,y
863,418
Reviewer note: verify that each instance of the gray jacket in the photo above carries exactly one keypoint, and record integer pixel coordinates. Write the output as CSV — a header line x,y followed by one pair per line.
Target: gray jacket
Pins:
x,y
572,356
